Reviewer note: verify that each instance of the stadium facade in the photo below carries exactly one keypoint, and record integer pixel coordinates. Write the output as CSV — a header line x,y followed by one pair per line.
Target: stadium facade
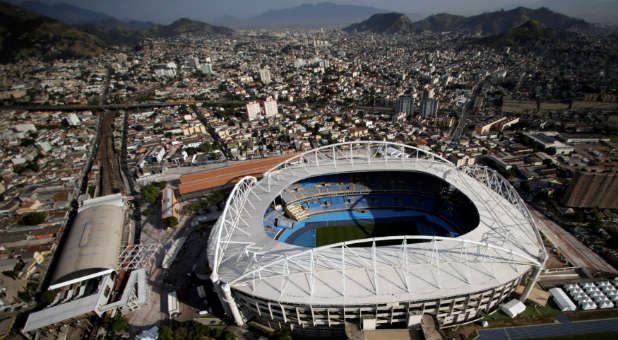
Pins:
x,y
487,246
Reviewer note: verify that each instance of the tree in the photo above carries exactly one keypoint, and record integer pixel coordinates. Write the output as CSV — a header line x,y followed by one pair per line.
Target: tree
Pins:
x,y
181,333
150,194
281,334
227,335
47,297
119,323
206,147
165,333
170,222
33,218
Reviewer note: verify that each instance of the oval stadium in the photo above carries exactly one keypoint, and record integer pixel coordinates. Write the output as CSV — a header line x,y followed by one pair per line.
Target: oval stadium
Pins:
x,y
371,234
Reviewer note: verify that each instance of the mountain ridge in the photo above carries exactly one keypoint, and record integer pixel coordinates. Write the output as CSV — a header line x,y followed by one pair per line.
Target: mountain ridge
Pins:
x,y
307,15
485,24
387,23
24,34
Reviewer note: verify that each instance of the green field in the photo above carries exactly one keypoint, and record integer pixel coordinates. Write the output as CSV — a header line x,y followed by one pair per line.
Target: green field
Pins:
x,y
330,235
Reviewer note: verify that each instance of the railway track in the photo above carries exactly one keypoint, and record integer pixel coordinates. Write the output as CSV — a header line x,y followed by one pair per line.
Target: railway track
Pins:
x,y
110,180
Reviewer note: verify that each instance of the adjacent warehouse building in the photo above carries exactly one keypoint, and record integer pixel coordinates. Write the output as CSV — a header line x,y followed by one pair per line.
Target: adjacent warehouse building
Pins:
x,y
86,277
593,190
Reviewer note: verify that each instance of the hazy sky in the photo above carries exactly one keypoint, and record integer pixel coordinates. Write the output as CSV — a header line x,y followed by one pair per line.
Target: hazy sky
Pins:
x,y
165,11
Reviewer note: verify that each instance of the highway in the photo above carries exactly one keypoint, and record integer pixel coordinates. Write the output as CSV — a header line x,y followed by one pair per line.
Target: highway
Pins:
x,y
461,124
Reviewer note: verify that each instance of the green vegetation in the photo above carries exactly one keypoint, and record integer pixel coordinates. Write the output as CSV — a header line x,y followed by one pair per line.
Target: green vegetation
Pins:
x,y
47,297
531,312
281,334
10,273
33,218
529,33
119,323
26,34
259,329
151,192
330,235
27,142
388,23
278,334
193,330
30,165
218,197
170,222
185,25
206,147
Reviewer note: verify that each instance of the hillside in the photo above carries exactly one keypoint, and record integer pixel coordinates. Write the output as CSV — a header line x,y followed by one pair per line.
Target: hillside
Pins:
x,y
442,22
187,26
493,23
387,23
66,13
307,15
27,34
529,35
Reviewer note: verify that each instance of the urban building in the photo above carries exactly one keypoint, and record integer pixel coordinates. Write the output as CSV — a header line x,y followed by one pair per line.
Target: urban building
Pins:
x,y
253,110
592,190
429,108
206,68
165,70
404,104
270,108
87,273
265,76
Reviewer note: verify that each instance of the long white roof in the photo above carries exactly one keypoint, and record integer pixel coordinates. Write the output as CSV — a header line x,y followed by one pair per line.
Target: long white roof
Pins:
x,y
93,243
502,248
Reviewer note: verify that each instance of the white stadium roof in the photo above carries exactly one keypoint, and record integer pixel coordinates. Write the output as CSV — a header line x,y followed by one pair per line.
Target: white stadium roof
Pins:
x,y
503,247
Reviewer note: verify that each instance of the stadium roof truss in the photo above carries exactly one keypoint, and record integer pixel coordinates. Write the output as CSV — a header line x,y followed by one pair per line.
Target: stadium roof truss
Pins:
x,y
242,256
137,256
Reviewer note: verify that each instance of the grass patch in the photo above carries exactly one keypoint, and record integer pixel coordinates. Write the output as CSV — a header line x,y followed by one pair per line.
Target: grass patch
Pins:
x,y
260,329
539,313
598,336
335,234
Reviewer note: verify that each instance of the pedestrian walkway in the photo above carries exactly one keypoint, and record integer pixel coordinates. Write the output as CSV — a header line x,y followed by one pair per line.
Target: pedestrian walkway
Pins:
x,y
541,331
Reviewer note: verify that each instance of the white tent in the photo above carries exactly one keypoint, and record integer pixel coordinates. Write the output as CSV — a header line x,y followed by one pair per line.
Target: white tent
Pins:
x,y
577,297
562,300
588,306
606,304
513,308
609,293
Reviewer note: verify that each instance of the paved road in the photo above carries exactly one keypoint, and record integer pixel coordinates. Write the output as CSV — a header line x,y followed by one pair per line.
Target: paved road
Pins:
x,y
540,331
576,252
